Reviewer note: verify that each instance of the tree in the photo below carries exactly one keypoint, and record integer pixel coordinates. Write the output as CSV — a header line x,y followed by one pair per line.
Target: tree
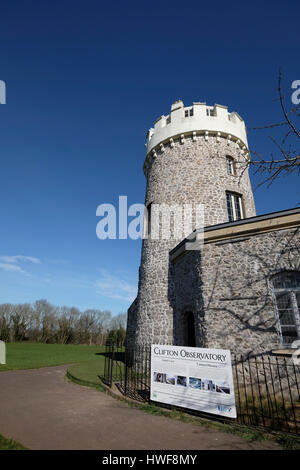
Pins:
x,y
20,321
117,331
118,321
112,336
286,159
66,320
6,311
45,321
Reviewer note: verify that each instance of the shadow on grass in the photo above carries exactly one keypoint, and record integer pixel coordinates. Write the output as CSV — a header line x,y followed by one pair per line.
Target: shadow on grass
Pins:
x,y
119,356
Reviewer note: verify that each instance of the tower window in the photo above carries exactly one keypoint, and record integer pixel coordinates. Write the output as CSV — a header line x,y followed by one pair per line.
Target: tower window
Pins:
x,y
286,292
210,112
149,219
230,165
189,112
234,206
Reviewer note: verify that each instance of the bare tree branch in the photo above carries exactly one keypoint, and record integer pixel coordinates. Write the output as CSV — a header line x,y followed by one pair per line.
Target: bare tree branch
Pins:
x,y
287,157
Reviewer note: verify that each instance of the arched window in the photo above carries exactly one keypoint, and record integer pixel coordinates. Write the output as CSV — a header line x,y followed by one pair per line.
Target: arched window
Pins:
x,y
286,289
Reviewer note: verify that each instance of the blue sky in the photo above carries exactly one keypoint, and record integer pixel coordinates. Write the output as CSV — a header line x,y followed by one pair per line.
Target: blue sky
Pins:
x,y
85,81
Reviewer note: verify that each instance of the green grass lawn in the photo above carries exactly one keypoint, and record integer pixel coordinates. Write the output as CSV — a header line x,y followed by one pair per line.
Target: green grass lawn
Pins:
x,y
9,444
89,372
35,355
86,373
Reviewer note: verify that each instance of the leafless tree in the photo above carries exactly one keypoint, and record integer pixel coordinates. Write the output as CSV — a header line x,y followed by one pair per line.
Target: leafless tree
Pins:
x,y
47,323
118,321
286,157
6,311
92,326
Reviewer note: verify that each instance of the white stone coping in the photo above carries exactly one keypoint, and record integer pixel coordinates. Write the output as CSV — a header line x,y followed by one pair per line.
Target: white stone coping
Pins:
x,y
201,118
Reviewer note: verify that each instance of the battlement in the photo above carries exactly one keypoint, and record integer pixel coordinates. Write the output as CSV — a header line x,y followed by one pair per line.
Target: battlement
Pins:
x,y
197,118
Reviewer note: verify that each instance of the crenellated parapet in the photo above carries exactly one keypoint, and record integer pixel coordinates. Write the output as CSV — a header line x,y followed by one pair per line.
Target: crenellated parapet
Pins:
x,y
194,121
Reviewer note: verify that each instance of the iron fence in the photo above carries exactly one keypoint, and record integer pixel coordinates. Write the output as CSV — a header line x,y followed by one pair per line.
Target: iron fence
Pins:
x,y
114,364
266,387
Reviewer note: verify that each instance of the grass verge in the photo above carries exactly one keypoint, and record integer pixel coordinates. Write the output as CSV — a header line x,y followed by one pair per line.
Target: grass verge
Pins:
x,y
286,441
86,373
10,444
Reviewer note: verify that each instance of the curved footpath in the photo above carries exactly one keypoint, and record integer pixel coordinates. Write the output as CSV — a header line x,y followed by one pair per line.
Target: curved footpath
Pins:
x,y
42,410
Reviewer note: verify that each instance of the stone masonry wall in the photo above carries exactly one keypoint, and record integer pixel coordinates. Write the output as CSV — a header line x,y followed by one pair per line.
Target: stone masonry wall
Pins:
x,y
227,287
190,172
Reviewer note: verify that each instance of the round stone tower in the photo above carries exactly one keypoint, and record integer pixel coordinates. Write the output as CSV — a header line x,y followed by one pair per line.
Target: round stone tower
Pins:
x,y
193,156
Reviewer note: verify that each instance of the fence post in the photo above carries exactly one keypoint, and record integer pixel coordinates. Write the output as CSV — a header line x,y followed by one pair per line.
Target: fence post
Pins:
x,y
111,364
125,372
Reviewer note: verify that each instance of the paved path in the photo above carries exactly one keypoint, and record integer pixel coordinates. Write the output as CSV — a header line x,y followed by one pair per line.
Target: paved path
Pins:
x,y
42,410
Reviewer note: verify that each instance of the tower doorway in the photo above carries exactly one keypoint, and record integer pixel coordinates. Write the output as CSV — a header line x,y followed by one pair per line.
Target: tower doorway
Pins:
x,y
189,329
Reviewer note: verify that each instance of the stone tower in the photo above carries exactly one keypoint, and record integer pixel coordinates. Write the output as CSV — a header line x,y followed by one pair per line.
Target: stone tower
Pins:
x,y
192,156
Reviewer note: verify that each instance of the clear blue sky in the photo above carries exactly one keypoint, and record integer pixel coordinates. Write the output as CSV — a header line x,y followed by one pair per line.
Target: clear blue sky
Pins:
x,y
85,81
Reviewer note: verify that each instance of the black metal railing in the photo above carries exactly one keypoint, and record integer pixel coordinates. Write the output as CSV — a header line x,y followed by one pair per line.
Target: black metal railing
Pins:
x,y
266,387
267,392
114,364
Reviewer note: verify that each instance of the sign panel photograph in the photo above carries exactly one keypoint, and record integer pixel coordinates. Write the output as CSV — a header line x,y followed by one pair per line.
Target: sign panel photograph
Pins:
x,y
195,378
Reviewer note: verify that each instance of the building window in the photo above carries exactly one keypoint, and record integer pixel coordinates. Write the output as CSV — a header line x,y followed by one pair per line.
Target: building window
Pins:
x,y
286,292
147,220
230,165
210,112
234,206
189,112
